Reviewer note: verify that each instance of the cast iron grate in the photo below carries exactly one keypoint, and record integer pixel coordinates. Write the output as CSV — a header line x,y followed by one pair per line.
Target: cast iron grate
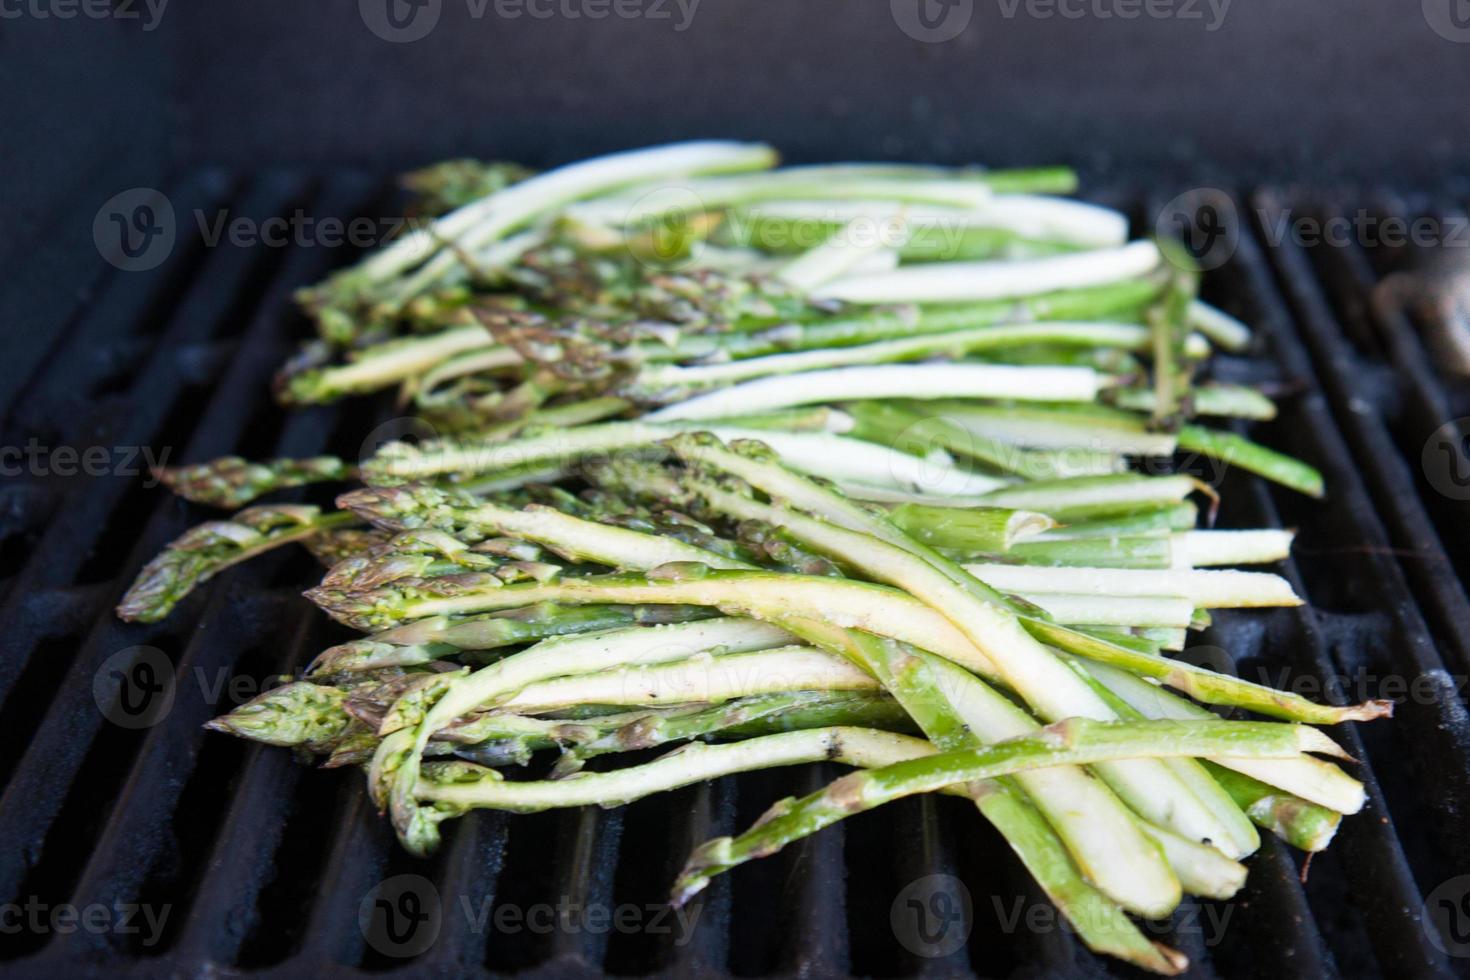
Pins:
x,y
263,866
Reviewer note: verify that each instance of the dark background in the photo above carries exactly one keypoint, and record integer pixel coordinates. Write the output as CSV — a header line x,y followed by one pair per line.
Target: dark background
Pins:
x,y
1306,90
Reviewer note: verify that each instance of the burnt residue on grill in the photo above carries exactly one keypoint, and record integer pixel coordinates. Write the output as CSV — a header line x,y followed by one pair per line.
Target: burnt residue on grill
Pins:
x,y
258,866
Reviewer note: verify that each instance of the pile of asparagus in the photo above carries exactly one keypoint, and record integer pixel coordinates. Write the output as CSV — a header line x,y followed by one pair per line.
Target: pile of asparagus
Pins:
x,y
780,466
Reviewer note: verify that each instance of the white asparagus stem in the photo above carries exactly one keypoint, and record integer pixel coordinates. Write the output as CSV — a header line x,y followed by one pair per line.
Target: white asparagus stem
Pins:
x,y
941,282
1103,610
1311,779
566,656
707,679
1196,549
693,763
838,256
492,217
1028,215
1227,589
1040,432
821,454
1202,870
951,343
892,381
656,198
1222,328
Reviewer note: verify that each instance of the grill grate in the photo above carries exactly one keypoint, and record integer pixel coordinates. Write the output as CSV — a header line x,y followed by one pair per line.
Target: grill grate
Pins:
x,y
263,866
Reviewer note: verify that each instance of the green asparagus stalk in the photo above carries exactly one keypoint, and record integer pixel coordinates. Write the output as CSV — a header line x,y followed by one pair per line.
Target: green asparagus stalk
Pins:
x,y
915,430
428,640
662,381
1301,824
1168,320
1222,328
1230,401
978,529
1150,895
822,454
1138,552
387,364
1024,664
1061,427
1302,779
710,680
1201,549
1094,498
1142,521
1237,450
1075,740
208,549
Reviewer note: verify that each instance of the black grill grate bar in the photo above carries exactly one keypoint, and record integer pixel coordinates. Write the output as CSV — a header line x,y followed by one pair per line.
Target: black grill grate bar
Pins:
x,y
133,835
1273,892
205,306
31,800
586,857
1425,523
710,812
1376,860
360,848
225,907
468,888
814,938
1381,465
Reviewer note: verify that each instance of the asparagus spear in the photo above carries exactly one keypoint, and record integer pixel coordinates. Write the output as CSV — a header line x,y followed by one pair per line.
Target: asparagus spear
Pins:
x,y
1122,863
1049,686
1075,740
892,381
233,482
960,281
207,549
429,640
908,430
977,529
1169,322
385,278
663,380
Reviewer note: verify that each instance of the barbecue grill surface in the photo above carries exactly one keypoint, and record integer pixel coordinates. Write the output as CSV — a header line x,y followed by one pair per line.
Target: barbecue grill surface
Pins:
x,y
264,866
